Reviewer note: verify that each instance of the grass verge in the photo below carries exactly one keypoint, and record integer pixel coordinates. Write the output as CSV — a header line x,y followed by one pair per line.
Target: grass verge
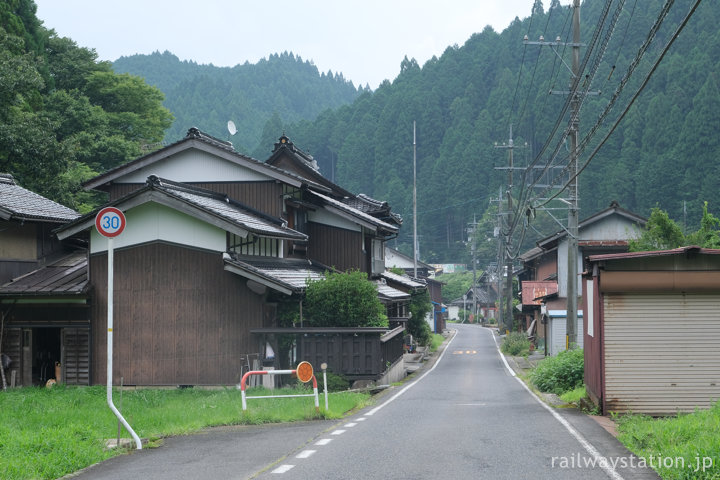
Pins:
x,y
48,433
678,448
574,396
436,341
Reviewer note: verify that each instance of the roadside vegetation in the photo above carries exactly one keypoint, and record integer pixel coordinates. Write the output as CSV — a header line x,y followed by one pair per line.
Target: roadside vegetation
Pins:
x,y
49,433
436,341
682,447
560,374
516,344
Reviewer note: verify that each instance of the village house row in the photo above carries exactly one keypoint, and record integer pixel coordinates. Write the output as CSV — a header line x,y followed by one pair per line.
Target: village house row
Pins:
x,y
215,240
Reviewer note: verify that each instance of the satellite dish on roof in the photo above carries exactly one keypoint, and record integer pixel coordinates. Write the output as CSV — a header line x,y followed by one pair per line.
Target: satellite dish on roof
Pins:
x,y
231,127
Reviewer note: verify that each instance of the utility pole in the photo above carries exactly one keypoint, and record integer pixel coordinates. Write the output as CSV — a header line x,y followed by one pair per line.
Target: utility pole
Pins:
x,y
572,268
507,260
500,260
472,231
415,241
573,197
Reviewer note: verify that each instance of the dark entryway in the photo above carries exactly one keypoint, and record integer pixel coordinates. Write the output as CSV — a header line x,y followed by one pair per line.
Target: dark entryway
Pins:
x,y
46,350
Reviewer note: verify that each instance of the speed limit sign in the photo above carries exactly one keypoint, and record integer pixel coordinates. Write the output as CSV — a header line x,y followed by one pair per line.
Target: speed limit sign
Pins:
x,y
110,222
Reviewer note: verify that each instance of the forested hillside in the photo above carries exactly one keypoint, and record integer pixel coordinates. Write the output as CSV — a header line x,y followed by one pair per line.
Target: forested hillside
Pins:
x,y
64,116
207,96
664,153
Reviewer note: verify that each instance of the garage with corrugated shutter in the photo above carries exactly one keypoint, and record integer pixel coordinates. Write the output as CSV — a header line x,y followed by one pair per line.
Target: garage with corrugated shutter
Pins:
x,y
661,352
652,330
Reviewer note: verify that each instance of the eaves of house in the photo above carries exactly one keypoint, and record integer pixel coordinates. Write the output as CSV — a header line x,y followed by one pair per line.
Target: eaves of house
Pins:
x,y
211,207
284,275
614,209
195,139
60,279
356,216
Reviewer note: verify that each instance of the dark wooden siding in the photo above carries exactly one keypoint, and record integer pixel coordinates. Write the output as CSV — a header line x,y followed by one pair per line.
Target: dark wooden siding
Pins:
x,y
12,347
358,356
179,319
76,356
49,315
263,196
119,190
336,247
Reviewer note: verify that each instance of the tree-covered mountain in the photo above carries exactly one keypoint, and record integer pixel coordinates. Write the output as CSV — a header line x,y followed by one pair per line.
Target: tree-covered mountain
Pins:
x,y
664,153
63,116
206,96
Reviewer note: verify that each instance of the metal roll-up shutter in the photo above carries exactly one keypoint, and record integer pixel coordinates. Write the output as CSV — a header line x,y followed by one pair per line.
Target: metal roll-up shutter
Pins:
x,y
662,352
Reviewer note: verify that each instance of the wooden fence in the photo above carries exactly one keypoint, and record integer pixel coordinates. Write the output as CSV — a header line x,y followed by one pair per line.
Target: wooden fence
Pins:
x,y
363,353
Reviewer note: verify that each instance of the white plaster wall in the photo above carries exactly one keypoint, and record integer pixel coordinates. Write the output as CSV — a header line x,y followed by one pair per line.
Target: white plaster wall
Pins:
x,y
151,222
195,166
328,218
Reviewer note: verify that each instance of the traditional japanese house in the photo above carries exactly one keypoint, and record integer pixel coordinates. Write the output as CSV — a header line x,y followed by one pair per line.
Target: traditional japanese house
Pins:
x,y
44,298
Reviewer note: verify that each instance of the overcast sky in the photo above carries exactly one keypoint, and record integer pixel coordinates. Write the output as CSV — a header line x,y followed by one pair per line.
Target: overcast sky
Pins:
x,y
365,40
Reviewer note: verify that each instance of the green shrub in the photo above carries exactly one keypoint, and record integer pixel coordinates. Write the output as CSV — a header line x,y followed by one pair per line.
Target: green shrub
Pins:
x,y
343,300
335,382
560,374
419,307
515,343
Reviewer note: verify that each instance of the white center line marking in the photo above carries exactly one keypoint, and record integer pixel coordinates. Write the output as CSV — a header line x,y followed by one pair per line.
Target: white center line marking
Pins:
x,y
305,453
361,419
338,432
415,382
282,468
323,441
351,424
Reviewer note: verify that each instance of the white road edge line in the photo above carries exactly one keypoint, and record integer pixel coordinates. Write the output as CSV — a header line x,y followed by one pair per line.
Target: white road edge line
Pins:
x,y
409,386
337,432
601,461
323,441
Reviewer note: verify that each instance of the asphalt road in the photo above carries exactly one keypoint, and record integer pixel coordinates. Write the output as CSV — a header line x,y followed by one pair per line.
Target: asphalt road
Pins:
x,y
464,416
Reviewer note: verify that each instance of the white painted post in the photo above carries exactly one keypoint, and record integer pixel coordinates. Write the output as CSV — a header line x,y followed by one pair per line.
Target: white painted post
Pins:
x,y
111,259
324,369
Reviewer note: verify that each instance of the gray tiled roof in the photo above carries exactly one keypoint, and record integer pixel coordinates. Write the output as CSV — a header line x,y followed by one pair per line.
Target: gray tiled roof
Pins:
x,y
369,205
199,202
223,206
67,276
19,203
292,274
355,212
389,292
402,280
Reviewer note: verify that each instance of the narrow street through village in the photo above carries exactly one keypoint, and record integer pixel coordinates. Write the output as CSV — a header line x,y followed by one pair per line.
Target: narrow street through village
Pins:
x,y
465,415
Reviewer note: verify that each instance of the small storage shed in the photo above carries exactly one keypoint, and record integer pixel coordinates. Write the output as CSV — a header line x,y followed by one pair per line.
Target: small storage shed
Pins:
x,y
652,330
557,331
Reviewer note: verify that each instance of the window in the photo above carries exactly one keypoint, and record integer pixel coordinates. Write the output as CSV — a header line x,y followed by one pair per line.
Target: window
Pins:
x,y
253,245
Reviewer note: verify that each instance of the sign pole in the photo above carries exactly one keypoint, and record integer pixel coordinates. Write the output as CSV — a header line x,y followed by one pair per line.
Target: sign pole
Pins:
x,y
110,222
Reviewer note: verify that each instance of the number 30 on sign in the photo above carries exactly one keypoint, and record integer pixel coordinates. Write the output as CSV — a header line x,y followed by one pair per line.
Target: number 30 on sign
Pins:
x,y
110,222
